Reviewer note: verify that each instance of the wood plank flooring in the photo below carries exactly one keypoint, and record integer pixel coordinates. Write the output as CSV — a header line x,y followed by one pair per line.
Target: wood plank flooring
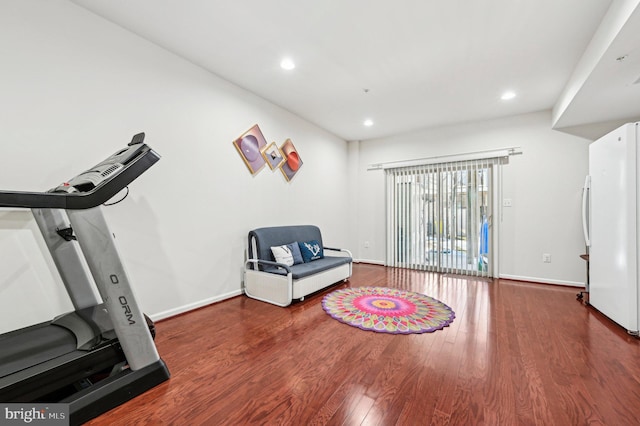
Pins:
x,y
516,354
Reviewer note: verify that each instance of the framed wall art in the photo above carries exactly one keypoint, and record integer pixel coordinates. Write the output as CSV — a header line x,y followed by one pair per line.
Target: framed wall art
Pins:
x,y
292,161
250,145
272,155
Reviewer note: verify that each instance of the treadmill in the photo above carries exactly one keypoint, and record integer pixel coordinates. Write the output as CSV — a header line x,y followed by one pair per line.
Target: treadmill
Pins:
x,y
101,354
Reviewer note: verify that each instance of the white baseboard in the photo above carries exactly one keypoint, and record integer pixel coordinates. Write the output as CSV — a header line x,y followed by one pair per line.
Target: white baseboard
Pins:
x,y
542,280
191,306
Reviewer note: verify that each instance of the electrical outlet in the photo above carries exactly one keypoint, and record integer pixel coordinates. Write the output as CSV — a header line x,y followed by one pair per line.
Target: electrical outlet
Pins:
x,y
366,244
507,202
546,257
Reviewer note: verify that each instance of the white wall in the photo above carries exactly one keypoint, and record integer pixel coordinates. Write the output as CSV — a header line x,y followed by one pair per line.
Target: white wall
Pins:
x,y
74,89
544,183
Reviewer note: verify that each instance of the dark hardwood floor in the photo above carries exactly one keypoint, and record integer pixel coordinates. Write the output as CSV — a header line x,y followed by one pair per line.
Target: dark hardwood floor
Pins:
x,y
516,354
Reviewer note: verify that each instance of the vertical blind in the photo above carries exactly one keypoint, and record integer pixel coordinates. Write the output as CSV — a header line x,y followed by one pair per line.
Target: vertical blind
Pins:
x,y
439,216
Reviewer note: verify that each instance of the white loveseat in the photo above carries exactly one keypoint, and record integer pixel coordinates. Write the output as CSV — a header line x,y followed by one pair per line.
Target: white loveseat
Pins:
x,y
280,284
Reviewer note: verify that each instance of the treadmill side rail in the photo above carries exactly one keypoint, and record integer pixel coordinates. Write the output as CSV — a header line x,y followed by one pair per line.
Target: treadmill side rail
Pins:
x,y
67,258
98,245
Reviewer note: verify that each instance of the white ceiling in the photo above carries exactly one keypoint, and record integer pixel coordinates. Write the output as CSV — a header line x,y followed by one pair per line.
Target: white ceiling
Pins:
x,y
424,63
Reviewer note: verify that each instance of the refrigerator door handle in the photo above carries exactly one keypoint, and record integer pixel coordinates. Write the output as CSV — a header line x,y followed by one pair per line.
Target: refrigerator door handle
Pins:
x,y
585,207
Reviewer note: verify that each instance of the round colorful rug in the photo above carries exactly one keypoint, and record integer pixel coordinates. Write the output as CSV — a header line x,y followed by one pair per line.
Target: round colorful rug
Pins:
x,y
387,310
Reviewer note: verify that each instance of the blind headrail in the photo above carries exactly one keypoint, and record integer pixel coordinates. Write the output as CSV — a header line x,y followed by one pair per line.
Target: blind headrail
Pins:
x,y
502,154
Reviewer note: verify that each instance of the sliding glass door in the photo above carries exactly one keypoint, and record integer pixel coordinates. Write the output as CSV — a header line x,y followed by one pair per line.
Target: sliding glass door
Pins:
x,y
439,217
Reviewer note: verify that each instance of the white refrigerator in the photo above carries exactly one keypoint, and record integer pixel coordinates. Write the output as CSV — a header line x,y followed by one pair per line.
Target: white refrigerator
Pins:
x,y
611,215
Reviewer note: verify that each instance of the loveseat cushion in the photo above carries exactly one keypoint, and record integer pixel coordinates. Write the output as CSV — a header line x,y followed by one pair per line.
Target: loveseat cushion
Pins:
x,y
306,269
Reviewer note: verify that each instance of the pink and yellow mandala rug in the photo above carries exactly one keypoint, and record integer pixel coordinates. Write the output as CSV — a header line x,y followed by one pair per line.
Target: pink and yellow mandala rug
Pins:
x,y
387,310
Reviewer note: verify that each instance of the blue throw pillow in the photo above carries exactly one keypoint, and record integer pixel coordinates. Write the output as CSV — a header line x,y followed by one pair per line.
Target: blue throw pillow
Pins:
x,y
295,252
311,250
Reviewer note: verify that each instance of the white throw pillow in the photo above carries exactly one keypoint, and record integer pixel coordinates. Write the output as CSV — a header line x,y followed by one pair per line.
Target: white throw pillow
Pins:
x,y
282,254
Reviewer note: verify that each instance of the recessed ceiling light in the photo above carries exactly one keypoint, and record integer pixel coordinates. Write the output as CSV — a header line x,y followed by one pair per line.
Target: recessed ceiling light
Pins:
x,y
508,95
368,122
287,64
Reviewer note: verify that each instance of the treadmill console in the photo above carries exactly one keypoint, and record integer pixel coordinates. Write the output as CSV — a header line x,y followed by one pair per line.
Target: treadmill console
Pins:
x,y
103,171
92,187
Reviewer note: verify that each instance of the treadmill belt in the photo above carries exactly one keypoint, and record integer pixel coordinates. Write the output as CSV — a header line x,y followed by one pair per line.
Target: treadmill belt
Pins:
x,y
31,346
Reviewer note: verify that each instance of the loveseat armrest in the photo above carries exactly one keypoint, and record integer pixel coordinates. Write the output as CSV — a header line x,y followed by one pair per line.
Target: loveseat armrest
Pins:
x,y
268,286
343,253
257,262
339,250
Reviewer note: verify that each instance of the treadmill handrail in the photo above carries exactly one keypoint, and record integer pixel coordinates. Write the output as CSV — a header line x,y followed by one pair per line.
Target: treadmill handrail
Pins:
x,y
83,200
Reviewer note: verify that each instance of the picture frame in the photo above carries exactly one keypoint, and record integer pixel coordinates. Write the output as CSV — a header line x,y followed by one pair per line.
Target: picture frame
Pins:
x,y
250,145
272,155
292,161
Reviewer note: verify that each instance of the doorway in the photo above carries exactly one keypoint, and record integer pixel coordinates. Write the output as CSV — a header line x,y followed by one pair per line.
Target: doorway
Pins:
x,y
439,217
